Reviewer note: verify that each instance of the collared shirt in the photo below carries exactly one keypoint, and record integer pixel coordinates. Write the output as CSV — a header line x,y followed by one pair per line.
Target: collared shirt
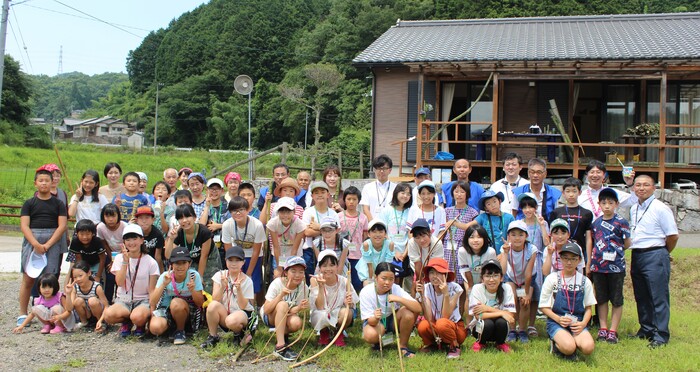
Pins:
x,y
650,223
509,200
553,196
589,200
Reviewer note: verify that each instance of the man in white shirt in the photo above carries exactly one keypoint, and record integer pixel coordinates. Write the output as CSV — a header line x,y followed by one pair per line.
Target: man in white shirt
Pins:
x,y
377,195
654,236
512,165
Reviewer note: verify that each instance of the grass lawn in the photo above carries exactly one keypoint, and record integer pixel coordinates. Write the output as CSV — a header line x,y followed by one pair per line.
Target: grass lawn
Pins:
x,y
629,354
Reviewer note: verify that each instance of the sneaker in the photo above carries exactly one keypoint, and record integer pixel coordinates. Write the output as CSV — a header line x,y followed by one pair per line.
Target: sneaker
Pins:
x,y
522,336
324,337
454,353
46,328
125,329
20,320
179,338
612,337
236,340
512,336
602,334
210,342
286,353
503,347
477,346
139,331
340,341
57,329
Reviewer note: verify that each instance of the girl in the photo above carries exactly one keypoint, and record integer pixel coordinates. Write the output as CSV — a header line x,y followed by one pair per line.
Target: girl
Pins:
x,y
519,259
492,305
52,307
197,239
560,237
195,183
287,188
232,301
87,201
537,228
375,250
178,297
462,214
494,220
113,172
567,319
353,226
232,181
330,240
395,218
376,301
330,293
286,232
443,322
110,231
87,296
88,247
136,274
427,210
475,250
285,299
161,192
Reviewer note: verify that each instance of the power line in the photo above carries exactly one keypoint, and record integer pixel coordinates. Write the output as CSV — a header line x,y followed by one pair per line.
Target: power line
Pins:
x,y
100,20
14,35
24,44
76,16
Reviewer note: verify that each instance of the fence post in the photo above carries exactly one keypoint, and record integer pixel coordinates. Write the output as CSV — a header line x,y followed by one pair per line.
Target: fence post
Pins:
x,y
340,160
251,164
284,152
362,166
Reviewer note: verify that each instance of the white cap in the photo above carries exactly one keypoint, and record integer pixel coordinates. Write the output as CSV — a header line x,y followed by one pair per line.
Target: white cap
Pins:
x,y
325,253
329,221
285,202
132,228
142,176
35,264
375,221
215,181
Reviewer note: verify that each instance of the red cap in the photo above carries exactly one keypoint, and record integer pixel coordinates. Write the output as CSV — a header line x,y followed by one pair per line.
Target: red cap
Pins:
x,y
144,209
439,265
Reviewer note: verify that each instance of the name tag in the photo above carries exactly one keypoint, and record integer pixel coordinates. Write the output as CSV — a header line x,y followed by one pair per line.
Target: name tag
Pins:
x,y
609,256
398,237
387,339
352,247
520,292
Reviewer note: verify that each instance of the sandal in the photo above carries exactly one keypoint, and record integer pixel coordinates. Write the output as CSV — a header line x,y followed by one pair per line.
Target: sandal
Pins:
x,y
407,353
532,331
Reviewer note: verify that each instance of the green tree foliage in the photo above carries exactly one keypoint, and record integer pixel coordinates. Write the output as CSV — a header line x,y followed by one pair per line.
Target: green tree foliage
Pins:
x,y
16,92
141,62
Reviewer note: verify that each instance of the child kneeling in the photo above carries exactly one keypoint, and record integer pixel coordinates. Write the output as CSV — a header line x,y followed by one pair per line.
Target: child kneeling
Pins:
x,y
566,300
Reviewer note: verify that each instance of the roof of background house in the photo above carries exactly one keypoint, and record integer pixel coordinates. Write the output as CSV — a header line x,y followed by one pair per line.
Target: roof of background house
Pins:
x,y
608,37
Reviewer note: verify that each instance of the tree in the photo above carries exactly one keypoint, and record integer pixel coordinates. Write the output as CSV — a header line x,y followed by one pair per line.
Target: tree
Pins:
x,y
312,87
16,92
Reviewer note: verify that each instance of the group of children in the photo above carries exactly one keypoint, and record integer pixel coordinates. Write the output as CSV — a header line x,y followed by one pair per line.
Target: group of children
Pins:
x,y
186,259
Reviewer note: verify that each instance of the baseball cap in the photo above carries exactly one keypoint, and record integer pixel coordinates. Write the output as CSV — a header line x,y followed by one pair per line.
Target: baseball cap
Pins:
x,y
294,261
519,225
440,265
197,174
180,254
287,182
51,167
526,195
420,223
215,181
142,176
35,264
493,263
488,194
559,223
329,222
325,253
232,175
426,183
235,251
318,184
375,222
285,202
132,228
422,171
144,209
571,248
609,193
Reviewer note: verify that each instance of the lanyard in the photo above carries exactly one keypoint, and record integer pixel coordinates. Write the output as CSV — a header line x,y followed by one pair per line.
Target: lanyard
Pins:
x,y
132,278
286,239
386,194
229,287
570,304
175,288
509,187
434,308
318,217
594,205
292,297
636,213
357,224
400,222
522,266
194,238
218,213
578,219
493,237
384,308
245,230
335,302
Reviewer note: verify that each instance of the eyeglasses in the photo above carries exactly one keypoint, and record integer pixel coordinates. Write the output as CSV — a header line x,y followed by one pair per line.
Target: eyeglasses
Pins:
x,y
383,169
240,211
491,276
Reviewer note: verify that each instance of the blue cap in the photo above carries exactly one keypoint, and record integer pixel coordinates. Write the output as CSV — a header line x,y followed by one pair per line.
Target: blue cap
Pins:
x,y
197,174
422,170
488,194
293,261
421,222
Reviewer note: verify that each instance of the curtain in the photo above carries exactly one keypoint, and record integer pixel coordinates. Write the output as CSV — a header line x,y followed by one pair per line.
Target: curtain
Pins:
x,y
448,93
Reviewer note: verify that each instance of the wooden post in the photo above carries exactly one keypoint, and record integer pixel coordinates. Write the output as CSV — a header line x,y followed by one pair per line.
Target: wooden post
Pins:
x,y
340,160
494,126
362,163
576,161
419,131
285,149
662,129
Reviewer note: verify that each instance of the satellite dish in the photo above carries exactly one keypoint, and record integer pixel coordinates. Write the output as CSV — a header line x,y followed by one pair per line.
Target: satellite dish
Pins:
x,y
243,84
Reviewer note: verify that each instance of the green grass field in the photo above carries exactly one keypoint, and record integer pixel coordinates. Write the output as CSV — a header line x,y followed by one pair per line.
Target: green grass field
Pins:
x,y
629,354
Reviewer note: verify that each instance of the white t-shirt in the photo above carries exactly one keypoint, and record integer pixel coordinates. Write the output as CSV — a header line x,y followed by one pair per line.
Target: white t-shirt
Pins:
x,y
245,235
437,219
370,301
481,296
436,300
415,253
147,267
286,236
87,210
334,296
551,285
298,294
517,263
510,202
114,238
318,217
377,196
472,263
229,299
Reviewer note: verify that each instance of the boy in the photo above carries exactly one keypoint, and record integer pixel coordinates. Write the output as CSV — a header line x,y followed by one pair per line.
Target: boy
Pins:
x,y
494,220
579,218
43,221
286,232
312,218
152,238
560,237
130,199
214,214
611,235
422,247
566,320
353,227
246,190
249,233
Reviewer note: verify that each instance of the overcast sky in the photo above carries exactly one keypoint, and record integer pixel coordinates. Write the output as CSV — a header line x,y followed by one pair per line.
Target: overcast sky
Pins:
x,y
96,35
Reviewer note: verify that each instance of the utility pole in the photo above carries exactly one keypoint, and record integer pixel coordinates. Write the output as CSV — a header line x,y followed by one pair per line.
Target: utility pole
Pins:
x,y
3,34
155,132
60,61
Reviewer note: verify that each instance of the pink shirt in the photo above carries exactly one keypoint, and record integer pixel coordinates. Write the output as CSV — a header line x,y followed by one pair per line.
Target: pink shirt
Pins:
x,y
136,280
113,238
354,226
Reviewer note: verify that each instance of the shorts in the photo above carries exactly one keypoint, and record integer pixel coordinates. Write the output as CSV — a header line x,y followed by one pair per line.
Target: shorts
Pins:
x,y
389,328
131,305
164,312
554,327
257,273
53,256
252,325
608,287
536,290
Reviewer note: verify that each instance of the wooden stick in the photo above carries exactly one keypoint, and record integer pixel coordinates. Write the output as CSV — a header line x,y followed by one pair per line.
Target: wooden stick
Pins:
x,y
63,170
396,329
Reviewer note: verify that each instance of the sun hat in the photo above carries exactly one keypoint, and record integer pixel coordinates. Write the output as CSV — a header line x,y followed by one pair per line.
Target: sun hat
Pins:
x,y
215,181
488,194
325,253
559,223
232,175
609,193
440,265
235,251
287,182
180,254
329,222
375,222
318,184
144,209
35,264
132,228
518,225
294,261
285,202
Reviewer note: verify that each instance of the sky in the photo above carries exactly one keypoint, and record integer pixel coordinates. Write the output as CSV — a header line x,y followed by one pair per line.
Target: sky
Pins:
x,y
96,35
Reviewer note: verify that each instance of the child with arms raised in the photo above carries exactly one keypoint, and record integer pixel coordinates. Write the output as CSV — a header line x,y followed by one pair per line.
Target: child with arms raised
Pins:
x,y
492,307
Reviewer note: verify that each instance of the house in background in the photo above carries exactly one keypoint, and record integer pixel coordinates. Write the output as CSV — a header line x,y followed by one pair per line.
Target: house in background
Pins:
x,y
96,130
605,74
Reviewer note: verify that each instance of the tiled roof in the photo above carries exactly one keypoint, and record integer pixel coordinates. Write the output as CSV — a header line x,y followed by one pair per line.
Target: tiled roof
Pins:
x,y
611,37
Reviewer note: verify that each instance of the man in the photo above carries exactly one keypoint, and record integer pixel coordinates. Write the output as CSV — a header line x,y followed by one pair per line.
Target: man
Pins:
x,y
461,169
303,179
596,174
512,165
419,176
654,236
279,172
547,196
377,195
170,177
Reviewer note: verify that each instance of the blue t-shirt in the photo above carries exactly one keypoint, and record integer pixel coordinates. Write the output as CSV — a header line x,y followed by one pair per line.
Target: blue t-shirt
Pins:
x,y
609,236
496,227
130,204
169,293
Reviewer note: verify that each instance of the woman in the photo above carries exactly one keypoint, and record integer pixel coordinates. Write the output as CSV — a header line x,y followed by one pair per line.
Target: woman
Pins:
x,y
333,178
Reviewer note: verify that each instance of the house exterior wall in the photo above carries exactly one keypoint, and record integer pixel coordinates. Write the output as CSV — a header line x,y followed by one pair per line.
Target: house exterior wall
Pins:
x,y
519,102
390,111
